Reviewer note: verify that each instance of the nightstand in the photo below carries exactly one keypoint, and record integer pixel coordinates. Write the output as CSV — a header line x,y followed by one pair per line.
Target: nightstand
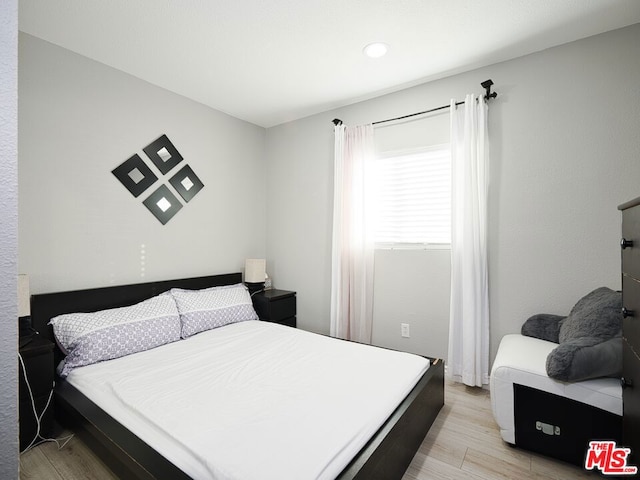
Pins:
x,y
277,306
37,356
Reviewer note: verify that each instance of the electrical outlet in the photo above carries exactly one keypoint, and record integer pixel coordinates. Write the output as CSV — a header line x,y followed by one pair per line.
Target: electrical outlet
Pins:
x,y
404,330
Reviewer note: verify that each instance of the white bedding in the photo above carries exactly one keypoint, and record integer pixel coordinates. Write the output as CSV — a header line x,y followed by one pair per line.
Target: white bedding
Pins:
x,y
254,400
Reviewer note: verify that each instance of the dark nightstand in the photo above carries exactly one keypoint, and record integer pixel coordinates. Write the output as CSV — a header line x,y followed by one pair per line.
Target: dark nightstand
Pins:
x,y
277,306
37,356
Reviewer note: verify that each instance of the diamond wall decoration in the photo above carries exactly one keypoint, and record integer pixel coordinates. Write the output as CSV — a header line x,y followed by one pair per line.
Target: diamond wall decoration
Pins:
x,y
136,175
186,183
163,204
163,154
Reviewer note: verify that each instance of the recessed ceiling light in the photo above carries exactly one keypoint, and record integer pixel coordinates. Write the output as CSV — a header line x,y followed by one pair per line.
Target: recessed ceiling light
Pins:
x,y
376,50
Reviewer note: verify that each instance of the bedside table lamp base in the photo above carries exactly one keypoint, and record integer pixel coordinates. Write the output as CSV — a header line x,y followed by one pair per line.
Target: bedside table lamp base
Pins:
x,y
254,287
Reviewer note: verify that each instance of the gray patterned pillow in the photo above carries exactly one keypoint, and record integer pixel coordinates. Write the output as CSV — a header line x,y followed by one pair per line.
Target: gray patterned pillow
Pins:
x,y
93,337
213,307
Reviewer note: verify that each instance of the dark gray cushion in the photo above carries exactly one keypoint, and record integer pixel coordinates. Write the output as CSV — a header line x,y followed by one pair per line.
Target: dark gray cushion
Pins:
x,y
597,314
543,326
590,339
585,358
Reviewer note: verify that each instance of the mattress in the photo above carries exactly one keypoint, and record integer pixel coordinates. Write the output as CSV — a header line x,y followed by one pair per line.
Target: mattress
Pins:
x,y
254,400
522,360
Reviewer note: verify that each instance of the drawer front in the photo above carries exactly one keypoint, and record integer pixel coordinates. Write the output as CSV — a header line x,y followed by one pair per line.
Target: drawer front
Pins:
x,y
631,231
631,402
283,308
631,302
578,423
289,322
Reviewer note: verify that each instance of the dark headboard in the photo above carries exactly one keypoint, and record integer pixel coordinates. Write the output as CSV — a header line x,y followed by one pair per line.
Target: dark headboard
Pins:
x,y
48,305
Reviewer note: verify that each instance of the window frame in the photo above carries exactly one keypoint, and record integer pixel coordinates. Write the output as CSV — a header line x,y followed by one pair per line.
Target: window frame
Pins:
x,y
384,245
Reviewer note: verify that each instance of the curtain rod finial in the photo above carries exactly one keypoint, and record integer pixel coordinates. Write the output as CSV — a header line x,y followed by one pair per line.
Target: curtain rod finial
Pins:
x,y
487,86
336,121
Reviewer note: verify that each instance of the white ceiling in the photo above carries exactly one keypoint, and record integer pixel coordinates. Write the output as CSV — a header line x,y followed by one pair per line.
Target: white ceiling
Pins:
x,y
272,61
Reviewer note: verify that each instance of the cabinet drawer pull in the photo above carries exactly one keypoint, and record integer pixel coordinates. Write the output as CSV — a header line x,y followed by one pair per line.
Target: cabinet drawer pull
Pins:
x,y
627,313
625,383
624,243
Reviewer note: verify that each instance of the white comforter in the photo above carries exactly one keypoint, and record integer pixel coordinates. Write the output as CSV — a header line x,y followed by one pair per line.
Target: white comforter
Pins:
x,y
254,400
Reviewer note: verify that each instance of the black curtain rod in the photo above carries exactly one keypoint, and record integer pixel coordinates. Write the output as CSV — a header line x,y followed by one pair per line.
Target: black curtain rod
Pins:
x,y
486,85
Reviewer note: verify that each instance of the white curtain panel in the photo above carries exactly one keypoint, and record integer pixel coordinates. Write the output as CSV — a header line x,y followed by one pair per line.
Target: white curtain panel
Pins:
x,y
353,244
468,360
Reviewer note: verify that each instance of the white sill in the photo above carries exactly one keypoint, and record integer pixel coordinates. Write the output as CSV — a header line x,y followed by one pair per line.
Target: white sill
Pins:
x,y
413,246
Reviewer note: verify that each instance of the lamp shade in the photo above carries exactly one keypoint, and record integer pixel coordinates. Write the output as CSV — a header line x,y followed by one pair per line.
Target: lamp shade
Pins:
x,y
255,270
24,298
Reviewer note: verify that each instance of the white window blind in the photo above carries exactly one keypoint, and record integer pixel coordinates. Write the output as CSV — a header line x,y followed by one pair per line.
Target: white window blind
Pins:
x,y
412,196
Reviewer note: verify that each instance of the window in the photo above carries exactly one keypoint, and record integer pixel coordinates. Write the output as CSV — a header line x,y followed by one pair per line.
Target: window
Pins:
x,y
412,197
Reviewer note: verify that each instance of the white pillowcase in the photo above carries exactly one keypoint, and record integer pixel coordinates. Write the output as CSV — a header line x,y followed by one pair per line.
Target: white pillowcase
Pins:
x,y
213,307
88,338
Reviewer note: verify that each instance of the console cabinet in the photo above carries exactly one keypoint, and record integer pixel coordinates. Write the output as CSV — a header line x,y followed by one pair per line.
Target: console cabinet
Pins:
x,y
37,356
276,306
630,246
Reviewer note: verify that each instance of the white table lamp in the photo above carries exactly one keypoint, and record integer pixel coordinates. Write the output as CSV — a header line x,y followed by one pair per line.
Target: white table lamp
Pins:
x,y
255,273
24,298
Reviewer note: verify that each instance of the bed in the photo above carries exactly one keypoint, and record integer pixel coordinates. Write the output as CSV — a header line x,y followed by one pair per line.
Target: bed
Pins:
x,y
385,453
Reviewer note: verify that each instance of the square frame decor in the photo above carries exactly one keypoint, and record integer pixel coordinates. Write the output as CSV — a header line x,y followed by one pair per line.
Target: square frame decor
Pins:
x,y
135,175
163,154
163,204
186,183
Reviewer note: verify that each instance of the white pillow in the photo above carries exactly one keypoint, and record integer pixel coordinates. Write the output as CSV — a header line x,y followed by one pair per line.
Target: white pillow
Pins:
x,y
88,338
213,307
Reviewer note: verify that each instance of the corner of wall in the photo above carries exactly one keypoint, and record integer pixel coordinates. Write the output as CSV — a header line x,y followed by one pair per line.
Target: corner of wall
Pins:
x,y
8,238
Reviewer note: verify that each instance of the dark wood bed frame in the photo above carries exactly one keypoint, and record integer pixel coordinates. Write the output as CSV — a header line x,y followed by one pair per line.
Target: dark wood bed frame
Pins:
x,y
385,457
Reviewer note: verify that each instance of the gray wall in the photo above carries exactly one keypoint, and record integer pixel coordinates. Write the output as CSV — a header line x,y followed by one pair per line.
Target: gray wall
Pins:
x,y
565,153
412,287
79,227
8,238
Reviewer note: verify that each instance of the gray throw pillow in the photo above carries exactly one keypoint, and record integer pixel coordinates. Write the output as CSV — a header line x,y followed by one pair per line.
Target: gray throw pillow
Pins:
x,y
597,314
585,358
590,339
544,326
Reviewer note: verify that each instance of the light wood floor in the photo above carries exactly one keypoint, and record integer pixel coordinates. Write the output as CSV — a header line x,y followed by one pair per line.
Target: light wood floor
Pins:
x,y
463,443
